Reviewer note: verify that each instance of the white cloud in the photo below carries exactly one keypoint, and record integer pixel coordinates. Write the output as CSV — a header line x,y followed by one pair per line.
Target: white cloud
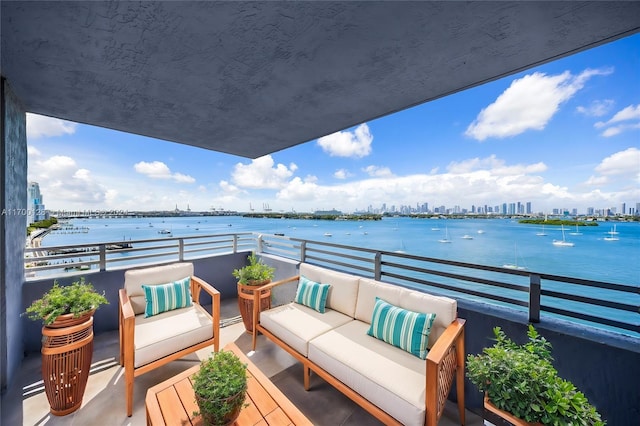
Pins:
x,y
33,152
348,144
342,174
159,170
63,183
625,162
597,108
620,121
377,171
528,104
40,126
261,174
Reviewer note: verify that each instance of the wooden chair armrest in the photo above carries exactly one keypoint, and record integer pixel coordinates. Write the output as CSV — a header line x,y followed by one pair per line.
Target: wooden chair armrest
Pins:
x,y
280,282
446,341
198,284
126,310
445,362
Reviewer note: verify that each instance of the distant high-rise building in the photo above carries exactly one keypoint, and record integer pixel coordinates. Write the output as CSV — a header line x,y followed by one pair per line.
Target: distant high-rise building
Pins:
x,y
35,204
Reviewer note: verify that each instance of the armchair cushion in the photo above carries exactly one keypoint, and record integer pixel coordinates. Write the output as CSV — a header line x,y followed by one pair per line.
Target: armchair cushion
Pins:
x,y
166,297
168,332
135,278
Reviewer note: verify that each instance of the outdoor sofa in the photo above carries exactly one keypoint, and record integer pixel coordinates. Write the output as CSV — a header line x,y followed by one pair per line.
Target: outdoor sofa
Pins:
x,y
394,385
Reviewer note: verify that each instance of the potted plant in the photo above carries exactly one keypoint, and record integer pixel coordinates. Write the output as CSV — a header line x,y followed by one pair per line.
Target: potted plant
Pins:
x,y
522,387
67,305
250,279
220,387
67,341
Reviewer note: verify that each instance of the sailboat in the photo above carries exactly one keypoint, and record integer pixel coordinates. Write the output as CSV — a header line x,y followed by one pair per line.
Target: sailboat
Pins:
x,y
515,264
563,242
577,232
446,237
612,235
542,233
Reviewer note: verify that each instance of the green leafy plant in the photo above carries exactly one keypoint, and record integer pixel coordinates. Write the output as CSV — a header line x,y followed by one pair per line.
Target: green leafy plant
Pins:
x,y
220,387
521,380
255,273
76,299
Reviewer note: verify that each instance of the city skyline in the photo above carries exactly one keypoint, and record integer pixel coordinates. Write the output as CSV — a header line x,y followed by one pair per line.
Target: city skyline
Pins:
x,y
563,135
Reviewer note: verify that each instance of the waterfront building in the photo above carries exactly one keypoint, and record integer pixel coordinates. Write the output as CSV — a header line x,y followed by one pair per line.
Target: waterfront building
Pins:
x,y
35,204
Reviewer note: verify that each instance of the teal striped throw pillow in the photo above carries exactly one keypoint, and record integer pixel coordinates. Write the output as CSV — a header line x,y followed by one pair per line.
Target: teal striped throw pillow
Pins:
x,y
166,297
399,327
312,294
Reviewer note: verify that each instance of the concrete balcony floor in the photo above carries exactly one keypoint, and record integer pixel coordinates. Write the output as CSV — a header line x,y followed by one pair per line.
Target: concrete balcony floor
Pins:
x,y
104,401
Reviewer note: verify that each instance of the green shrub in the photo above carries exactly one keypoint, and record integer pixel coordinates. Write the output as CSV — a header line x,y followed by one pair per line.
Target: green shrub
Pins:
x,y
221,377
255,273
76,299
521,380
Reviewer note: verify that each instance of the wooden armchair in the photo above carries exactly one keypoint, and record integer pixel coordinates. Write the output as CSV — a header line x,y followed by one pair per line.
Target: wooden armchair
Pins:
x,y
148,342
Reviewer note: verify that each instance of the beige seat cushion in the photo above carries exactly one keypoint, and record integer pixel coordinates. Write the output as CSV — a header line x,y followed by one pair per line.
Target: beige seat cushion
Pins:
x,y
344,287
163,334
135,278
390,378
296,324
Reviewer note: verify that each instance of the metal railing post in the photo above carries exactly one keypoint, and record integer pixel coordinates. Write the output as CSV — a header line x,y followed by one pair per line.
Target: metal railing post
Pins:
x,y
103,257
377,266
534,298
259,244
303,251
181,250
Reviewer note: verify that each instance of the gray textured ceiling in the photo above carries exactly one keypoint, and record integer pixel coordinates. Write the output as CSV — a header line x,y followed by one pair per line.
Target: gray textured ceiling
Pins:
x,y
251,78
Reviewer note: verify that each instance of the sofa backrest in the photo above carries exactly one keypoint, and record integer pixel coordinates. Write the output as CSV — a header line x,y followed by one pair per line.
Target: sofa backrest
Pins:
x,y
135,278
343,292
413,300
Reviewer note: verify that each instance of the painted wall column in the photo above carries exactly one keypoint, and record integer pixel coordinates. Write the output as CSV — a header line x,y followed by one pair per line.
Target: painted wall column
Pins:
x,y
13,223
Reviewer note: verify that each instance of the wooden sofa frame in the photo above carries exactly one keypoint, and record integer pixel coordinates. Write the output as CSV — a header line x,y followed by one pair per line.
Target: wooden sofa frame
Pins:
x,y
127,329
444,361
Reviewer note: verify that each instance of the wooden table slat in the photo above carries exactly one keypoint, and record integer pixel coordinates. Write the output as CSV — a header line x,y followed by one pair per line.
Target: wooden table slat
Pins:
x,y
171,407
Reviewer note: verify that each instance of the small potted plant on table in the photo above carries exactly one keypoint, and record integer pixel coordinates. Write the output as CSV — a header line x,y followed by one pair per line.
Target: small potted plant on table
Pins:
x,y
220,387
522,387
67,341
250,280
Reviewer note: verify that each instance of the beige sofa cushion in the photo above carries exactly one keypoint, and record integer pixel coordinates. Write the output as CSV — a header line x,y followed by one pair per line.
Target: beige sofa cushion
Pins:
x,y
135,278
344,287
446,310
163,334
368,291
296,324
390,378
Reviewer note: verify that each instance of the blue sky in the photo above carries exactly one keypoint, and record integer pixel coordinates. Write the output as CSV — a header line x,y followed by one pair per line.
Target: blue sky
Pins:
x,y
562,135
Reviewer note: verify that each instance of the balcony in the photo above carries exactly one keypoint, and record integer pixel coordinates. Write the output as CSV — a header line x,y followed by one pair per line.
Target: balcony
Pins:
x,y
487,297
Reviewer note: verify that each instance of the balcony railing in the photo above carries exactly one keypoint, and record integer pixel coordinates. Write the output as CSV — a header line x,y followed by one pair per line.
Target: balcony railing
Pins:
x,y
612,306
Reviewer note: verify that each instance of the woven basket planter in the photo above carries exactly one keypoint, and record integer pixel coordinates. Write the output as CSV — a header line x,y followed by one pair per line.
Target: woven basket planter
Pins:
x,y
245,302
67,349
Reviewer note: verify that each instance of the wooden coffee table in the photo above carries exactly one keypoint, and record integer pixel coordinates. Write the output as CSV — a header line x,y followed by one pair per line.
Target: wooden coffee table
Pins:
x,y
172,402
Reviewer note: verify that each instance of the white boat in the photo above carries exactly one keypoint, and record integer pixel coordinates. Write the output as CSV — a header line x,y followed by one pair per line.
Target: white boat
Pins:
x,y
612,235
467,237
515,264
541,233
563,242
446,237
576,232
